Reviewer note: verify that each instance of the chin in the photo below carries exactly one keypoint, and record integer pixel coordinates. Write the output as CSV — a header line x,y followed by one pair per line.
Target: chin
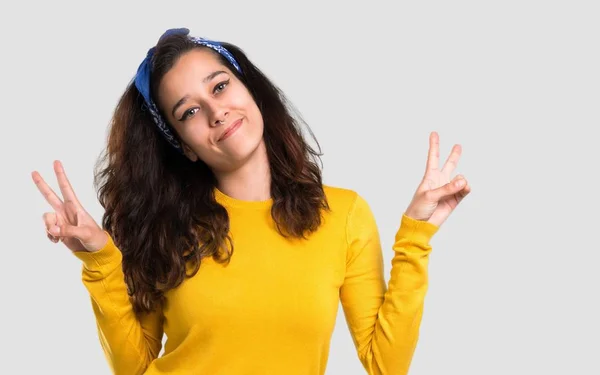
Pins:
x,y
239,150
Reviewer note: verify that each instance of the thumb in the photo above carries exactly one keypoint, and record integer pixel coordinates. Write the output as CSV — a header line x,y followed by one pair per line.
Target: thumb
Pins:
x,y
447,190
82,227
70,226
81,233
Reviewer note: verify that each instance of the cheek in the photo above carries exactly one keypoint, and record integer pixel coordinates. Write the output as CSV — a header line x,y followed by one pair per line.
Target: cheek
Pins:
x,y
197,136
256,129
243,102
241,99
254,115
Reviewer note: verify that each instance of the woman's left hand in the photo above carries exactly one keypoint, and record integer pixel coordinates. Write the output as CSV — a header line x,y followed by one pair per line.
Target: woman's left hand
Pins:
x,y
438,194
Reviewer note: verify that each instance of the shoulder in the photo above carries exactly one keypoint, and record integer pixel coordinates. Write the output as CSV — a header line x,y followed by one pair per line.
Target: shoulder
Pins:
x,y
344,200
339,196
352,212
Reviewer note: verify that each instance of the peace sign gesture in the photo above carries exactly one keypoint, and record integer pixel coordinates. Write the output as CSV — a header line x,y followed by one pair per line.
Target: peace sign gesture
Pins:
x,y
438,194
70,222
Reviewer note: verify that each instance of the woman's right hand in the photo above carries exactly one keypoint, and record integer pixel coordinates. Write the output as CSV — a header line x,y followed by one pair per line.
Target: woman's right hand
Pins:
x,y
69,223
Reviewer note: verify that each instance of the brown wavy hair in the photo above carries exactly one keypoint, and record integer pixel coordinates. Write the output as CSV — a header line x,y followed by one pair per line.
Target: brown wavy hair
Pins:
x,y
160,207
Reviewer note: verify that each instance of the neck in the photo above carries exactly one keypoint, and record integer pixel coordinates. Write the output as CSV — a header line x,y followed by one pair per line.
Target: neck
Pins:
x,y
252,181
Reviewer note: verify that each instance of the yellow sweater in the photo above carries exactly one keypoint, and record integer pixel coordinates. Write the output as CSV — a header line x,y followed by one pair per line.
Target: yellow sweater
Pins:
x,y
272,310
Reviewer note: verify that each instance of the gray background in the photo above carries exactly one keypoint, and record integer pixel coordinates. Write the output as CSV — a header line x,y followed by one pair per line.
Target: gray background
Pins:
x,y
514,279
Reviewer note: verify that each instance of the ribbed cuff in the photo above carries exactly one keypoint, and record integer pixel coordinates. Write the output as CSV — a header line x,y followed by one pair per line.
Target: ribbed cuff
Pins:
x,y
416,231
108,255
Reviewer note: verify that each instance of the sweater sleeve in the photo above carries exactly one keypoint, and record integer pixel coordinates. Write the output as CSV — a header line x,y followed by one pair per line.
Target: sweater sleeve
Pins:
x,y
384,320
130,343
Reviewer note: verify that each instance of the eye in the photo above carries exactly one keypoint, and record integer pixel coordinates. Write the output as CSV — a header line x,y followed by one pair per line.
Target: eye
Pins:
x,y
220,87
187,114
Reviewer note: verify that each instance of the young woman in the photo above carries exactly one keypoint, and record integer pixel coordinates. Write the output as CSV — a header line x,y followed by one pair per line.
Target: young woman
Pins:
x,y
219,232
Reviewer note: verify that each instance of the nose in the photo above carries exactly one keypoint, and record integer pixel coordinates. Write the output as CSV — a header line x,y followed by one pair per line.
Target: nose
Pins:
x,y
219,116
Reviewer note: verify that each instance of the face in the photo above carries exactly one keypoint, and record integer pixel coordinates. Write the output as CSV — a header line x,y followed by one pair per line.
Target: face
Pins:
x,y
211,110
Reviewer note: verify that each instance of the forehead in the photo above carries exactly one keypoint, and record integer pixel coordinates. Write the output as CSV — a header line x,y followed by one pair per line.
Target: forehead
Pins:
x,y
189,71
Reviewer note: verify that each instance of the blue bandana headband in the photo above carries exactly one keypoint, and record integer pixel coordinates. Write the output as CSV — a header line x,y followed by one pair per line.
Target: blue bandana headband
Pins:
x,y
142,80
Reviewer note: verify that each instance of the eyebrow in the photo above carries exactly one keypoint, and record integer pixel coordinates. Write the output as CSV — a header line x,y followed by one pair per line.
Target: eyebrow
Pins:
x,y
186,97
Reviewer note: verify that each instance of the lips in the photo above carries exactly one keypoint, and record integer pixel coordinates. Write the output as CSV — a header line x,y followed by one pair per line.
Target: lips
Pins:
x,y
230,130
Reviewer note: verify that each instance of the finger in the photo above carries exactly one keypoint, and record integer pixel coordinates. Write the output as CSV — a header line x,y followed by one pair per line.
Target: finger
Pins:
x,y
434,152
452,160
69,227
447,190
64,184
49,194
50,221
52,238
61,220
81,233
463,193
53,222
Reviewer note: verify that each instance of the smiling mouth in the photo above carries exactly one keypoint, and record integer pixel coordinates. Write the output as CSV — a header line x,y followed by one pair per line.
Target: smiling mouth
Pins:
x,y
230,130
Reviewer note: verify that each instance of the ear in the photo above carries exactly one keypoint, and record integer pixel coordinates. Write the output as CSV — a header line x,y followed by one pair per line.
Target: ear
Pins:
x,y
189,153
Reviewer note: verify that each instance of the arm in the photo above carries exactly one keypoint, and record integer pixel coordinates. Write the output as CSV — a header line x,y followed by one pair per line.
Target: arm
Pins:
x,y
384,322
129,343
